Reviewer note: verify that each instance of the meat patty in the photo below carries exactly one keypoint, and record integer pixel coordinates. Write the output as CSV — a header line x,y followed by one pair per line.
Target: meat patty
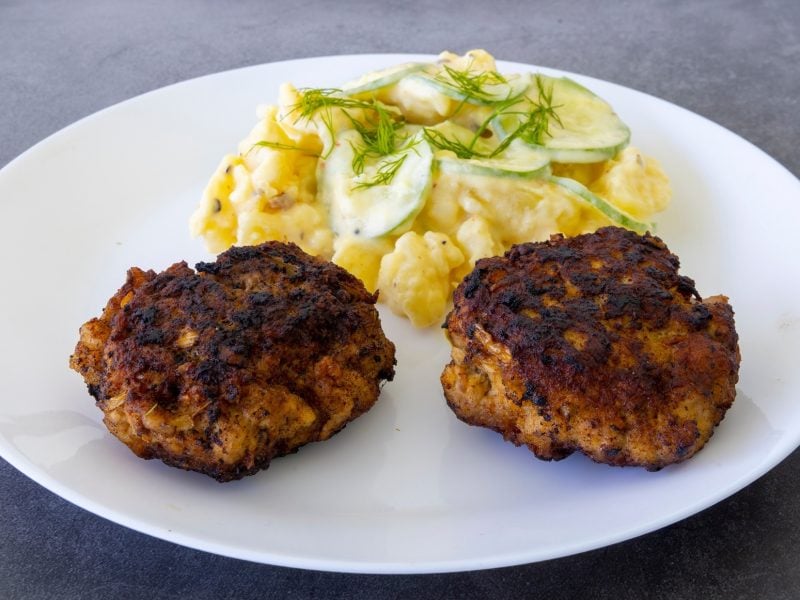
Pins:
x,y
592,344
249,358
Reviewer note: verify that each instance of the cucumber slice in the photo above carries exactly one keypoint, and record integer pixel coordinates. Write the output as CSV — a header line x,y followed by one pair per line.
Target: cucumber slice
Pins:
x,y
489,92
609,210
376,210
380,79
518,160
586,128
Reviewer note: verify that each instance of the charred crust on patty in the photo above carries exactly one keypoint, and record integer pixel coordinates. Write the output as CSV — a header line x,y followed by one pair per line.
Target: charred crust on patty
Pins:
x,y
221,369
594,344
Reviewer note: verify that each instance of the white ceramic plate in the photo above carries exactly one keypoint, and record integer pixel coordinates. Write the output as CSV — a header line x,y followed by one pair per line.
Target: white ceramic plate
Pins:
x,y
408,487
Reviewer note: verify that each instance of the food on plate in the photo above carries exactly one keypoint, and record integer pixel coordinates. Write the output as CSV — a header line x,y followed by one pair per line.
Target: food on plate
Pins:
x,y
592,344
248,358
369,174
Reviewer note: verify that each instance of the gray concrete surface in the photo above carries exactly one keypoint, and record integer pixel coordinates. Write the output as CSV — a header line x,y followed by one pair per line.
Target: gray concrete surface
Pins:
x,y
736,63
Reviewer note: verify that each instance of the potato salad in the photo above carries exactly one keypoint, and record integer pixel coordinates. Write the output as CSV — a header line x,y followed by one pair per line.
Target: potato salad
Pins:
x,y
409,175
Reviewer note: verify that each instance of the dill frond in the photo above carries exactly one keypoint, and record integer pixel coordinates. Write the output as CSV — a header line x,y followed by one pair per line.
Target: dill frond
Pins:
x,y
379,138
314,99
471,84
534,121
535,127
322,101
378,135
384,174
439,140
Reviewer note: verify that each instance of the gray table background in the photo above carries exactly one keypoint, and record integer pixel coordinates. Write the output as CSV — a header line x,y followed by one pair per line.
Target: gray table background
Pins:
x,y
737,63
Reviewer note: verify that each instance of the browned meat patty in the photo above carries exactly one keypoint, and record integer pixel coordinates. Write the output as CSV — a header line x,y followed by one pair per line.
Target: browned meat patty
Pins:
x,y
249,358
592,344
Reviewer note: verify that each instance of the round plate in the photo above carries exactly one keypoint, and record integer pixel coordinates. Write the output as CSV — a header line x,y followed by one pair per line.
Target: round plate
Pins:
x,y
407,487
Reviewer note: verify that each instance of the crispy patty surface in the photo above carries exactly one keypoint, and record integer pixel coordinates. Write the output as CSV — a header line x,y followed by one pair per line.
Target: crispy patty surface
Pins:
x,y
248,358
594,344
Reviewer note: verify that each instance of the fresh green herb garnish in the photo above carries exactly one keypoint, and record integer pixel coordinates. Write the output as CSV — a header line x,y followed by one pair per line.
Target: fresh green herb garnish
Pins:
x,y
534,126
384,174
378,136
314,99
471,84
439,140
323,101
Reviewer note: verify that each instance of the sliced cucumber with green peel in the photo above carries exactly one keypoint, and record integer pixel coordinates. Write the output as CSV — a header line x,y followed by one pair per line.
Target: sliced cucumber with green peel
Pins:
x,y
380,79
486,94
583,129
359,206
605,207
460,150
518,160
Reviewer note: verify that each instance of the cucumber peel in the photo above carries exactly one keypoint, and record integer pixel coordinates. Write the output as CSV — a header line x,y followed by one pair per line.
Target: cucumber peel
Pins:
x,y
584,129
605,207
518,160
377,80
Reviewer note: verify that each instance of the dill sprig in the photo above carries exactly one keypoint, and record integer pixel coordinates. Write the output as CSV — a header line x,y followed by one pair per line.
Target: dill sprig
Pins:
x,y
378,136
535,124
472,84
378,131
462,150
315,99
439,140
384,174
533,128
322,101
